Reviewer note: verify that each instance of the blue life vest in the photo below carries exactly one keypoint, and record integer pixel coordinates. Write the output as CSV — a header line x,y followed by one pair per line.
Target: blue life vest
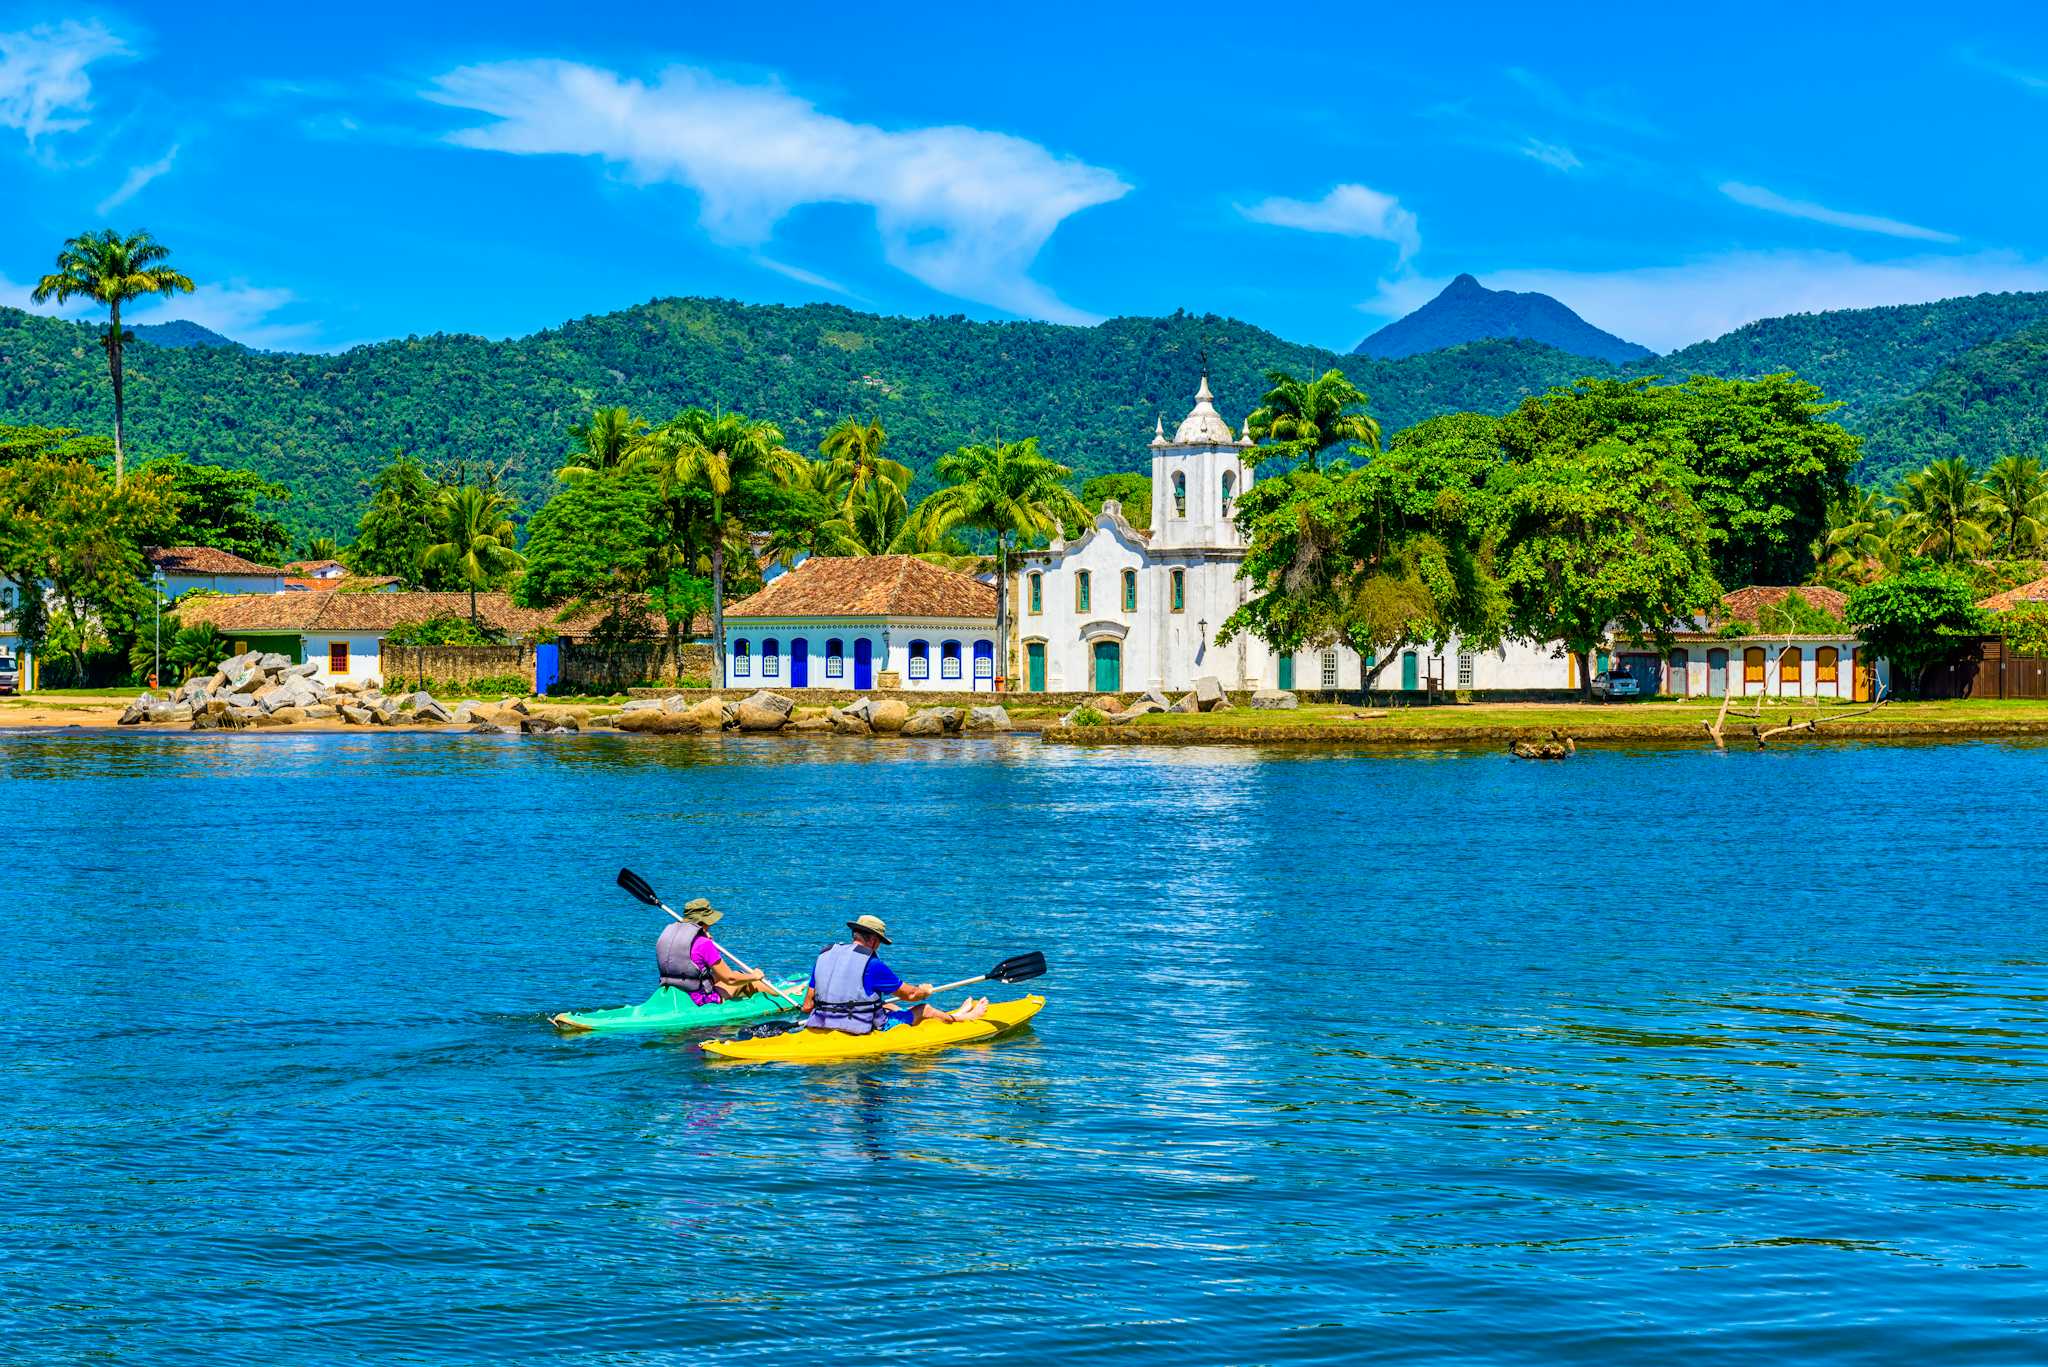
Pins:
x,y
672,958
840,998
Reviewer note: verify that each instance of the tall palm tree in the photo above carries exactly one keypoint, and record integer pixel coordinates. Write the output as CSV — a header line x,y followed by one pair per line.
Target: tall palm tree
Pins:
x,y
111,269
1008,489
605,440
1942,510
815,521
477,537
857,447
720,455
322,548
880,513
2018,511
1853,536
1304,418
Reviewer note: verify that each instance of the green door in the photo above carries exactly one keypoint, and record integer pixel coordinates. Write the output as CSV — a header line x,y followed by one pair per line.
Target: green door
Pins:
x,y
1034,666
1408,675
1287,671
1109,667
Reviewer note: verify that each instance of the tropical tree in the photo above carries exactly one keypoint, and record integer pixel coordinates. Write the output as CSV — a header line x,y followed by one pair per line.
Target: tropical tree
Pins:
x,y
224,508
1855,535
1915,621
1007,489
1942,510
1301,419
477,539
605,440
734,462
321,548
396,527
2016,512
111,269
812,514
857,448
880,513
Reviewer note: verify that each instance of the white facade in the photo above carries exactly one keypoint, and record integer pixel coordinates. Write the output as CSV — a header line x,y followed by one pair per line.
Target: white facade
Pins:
x,y
175,584
364,655
1805,667
1120,610
929,654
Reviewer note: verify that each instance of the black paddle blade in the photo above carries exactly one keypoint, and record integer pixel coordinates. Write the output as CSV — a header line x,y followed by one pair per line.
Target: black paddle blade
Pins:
x,y
1017,968
635,884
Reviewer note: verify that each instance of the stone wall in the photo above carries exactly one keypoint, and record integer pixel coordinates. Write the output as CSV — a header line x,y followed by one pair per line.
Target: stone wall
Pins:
x,y
452,666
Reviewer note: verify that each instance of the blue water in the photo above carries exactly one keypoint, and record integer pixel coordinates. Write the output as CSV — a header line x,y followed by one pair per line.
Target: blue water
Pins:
x,y
1655,1056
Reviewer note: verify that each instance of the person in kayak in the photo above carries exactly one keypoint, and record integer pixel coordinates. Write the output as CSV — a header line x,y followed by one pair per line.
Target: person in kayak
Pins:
x,y
687,958
851,988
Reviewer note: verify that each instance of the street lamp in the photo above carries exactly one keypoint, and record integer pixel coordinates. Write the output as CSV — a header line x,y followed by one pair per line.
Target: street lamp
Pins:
x,y
156,580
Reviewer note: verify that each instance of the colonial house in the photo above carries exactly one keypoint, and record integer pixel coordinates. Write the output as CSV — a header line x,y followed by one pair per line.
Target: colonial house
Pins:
x,y
1119,609
311,576
344,632
862,622
1705,662
203,567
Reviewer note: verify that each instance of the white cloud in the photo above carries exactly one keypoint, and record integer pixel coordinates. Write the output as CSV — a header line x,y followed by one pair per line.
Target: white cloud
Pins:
x,y
802,276
1552,154
1757,197
44,85
963,210
238,311
1666,307
138,176
1348,211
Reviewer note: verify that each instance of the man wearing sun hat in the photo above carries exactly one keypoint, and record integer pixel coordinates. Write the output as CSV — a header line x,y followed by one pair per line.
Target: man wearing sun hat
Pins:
x,y
686,958
850,988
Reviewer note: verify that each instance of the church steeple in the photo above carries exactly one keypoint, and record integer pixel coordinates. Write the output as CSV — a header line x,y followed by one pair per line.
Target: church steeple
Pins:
x,y
1203,426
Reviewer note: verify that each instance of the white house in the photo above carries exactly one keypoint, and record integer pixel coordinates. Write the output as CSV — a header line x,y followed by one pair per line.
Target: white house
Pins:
x,y
862,622
344,632
1705,662
203,567
1118,609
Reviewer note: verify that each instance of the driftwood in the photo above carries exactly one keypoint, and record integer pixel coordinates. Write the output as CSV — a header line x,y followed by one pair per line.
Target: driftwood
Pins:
x,y
1557,747
1813,723
1718,727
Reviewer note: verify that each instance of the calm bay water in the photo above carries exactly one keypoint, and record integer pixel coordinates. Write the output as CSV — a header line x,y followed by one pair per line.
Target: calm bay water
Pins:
x,y
1420,1058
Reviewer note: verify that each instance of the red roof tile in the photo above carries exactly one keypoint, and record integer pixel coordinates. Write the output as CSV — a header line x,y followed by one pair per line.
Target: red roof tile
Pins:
x,y
205,560
2036,592
1744,604
870,586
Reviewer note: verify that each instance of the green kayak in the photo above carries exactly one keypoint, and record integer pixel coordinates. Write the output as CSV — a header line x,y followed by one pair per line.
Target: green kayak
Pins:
x,y
670,1008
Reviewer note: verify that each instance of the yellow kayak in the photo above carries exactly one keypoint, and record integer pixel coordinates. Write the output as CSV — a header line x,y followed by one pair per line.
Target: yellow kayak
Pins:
x,y
831,1046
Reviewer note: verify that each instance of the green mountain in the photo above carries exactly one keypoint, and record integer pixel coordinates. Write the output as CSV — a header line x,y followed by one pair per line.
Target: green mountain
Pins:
x,y
1467,311
323,424
178,332
1964,376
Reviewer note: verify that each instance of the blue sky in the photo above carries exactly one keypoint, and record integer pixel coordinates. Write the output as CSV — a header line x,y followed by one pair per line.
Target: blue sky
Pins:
x,y
335,177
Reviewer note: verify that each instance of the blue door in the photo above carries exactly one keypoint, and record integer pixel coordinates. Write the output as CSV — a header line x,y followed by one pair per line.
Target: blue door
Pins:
x,y
863,664
547,668
799,663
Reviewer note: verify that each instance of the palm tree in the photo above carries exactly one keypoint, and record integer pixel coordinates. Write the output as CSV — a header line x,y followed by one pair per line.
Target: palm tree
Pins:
x,y
2018,511
111,269
322,548
880,513
814,519
605,440
1853,536
1007,489
720,455
1942,510
477,536
857,447
1305,418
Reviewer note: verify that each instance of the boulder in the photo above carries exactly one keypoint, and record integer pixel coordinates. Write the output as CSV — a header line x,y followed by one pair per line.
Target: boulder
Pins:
x,y
674,702
487,728
1223,706
987,719
772,701
161,713
321,711
304,671
1105,703
709,715
658,704
136,712
753,716
811,724
1208,692
431,711
926,721
660,722
843,722
1275,700
1153,695
248,682
888,715
860,709
549,726
273,661
284,716
1190,703
1142,708
357,716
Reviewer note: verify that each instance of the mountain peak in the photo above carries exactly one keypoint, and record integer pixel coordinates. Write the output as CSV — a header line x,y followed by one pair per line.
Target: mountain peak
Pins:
x,y
1467,311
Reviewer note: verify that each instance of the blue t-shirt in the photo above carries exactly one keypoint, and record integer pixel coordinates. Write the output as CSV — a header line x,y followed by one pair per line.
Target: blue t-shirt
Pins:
x,y
877,979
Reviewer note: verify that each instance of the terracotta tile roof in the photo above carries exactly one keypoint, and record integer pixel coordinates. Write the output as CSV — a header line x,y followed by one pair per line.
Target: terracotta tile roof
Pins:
x,y
870,586
2036,592
204,560
1743,605
326,610
355,583
312,568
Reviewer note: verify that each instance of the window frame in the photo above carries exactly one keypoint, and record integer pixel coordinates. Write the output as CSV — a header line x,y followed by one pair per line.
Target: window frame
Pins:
x,y
771,658
1229,490
1757,656
919,661
1035,592
332,647
1180,493
1798,658
1177,590
1128,586
1084,591
1827,665
984,656
742,658
949,659
835,658
1327,666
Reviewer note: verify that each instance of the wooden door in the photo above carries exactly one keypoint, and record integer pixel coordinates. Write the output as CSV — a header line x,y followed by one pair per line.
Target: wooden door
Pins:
x,y
863,664
1717,673
1109,667
1034,666
800,663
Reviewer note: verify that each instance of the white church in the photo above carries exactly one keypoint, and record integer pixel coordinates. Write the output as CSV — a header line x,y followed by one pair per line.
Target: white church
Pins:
x,y
1119,610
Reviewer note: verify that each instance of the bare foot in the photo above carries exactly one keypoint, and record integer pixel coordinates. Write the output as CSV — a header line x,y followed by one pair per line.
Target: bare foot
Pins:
x,y
971,1009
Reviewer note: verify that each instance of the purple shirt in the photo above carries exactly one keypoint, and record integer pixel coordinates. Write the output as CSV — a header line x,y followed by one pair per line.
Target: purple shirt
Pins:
x,y
704,954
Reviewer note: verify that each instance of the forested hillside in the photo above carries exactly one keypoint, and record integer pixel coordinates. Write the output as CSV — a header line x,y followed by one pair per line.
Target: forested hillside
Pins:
x,y
323,424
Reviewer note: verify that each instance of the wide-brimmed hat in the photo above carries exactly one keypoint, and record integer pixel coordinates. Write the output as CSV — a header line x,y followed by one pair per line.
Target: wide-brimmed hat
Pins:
x,y
872,925
701,911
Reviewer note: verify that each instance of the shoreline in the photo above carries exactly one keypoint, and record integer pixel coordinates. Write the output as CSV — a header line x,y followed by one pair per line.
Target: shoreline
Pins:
x,y
1598,733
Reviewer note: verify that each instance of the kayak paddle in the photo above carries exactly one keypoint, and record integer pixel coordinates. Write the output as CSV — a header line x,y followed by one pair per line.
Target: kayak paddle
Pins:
x,y
1014,969
640,888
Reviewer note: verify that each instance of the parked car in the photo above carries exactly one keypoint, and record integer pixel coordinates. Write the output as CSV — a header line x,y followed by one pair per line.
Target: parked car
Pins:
x,y
10,676
1609,685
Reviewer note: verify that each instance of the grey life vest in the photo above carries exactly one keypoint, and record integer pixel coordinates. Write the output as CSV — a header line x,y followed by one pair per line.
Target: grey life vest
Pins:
x,y
672,958
840,1000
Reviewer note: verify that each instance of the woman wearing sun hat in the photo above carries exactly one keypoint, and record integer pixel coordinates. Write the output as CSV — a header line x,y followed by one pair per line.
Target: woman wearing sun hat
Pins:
x,y
850,988
686,958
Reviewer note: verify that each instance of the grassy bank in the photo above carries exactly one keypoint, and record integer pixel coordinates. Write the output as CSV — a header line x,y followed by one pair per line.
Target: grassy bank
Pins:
x,y
1499,723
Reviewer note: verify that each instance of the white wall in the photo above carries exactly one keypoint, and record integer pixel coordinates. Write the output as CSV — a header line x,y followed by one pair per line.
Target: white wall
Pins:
x,y
175,584
364,655
890,642
1776,681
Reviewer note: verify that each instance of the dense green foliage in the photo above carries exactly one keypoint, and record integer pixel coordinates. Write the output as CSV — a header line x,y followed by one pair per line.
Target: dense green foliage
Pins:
x,y
2024,629
323,425
445,629
225,509
1916,620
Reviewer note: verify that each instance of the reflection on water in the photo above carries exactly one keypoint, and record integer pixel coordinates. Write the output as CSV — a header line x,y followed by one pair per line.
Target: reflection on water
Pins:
x,y
1667,1055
